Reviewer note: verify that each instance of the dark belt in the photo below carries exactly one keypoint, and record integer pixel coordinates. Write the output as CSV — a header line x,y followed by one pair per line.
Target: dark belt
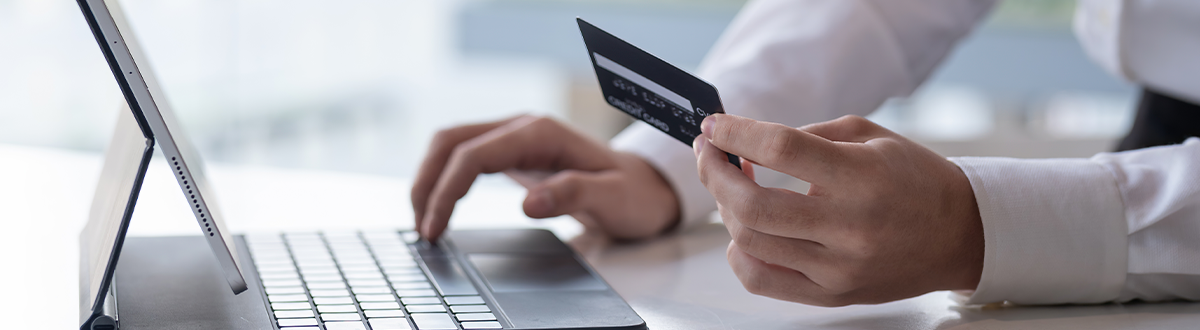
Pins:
x,y
1161,120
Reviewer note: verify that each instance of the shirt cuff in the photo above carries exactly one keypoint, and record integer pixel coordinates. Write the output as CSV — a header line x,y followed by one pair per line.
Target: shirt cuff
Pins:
x,y
676,163
1054,230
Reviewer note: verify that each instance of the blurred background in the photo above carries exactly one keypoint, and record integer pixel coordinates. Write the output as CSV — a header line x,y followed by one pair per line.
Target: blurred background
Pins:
x,y
361,85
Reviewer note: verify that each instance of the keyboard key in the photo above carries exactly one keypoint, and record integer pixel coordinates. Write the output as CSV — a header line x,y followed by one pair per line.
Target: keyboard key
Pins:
x,y
320,271
416,293
412,285
326,285
291,306
354,260
285,290
364,276
380,305
330,293
333,300
365,268
393,253
274,283
396,271
287,298
279,276
370,282
334,277
389,248
410,237
309,266
470,309
293,314
345,326
389,324
276,269
274,261
303,328
366,290
421,301
337,309
384,313
481,325
436,321
407,278
375,297
397,261
467,300
340,317
467,317
361,264
297,322
425,308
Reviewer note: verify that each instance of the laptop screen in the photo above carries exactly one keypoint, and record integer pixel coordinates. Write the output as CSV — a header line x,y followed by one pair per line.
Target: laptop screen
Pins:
x,y
146,100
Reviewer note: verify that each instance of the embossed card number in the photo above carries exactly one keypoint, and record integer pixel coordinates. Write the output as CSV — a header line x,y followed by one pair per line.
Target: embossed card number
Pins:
x,y
650,89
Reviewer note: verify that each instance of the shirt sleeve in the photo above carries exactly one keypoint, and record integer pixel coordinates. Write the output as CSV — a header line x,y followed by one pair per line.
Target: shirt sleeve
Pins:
x,y
1116,227
800,62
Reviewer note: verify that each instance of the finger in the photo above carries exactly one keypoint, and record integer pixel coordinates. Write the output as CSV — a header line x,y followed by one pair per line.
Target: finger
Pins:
x,y
525,143
798,254
748,169
792,151
722,179
778,212
435,160
847,128
568,192
765,279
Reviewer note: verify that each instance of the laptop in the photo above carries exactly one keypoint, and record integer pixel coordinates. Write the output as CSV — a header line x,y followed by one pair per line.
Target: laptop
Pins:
x,y
377,280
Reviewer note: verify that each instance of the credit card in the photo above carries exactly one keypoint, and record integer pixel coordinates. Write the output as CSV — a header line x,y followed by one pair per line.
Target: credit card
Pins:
x,y
650,89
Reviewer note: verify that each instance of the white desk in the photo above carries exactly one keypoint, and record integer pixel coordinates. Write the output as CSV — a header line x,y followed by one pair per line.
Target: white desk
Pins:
x,y
677,282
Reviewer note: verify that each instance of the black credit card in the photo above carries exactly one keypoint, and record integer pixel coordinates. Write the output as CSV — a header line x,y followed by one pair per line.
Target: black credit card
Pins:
x,y
650,89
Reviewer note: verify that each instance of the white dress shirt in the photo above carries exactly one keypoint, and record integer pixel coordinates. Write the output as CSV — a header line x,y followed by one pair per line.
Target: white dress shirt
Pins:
x,y
1115,227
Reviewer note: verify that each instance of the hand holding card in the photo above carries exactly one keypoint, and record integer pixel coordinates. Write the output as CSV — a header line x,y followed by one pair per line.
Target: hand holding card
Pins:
x,y
650,89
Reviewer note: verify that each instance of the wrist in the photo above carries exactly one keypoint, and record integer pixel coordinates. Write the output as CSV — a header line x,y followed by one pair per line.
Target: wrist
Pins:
x,y
971,245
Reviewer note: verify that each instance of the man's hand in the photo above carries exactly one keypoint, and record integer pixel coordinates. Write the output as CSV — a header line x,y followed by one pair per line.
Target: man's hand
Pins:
x,y
884,219
620,194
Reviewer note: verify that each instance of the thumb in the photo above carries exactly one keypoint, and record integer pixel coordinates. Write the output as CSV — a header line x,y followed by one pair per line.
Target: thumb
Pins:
x,y
566,192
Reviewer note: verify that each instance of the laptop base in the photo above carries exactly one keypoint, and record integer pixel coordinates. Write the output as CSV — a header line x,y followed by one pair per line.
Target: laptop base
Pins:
x,y
175,283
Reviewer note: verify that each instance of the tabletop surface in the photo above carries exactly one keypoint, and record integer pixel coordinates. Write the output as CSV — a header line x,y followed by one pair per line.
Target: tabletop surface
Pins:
x,y
679,281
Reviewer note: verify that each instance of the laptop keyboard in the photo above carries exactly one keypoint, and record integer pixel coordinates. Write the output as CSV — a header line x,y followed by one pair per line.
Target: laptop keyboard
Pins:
x,y
360,281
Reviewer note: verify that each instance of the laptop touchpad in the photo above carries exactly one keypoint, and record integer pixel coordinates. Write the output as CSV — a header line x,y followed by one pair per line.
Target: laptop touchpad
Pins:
x,y
512,272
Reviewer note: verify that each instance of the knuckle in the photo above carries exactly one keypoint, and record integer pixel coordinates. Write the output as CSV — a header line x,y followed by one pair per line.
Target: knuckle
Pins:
x,y
857,124
464,153
744,238
443,138
781,146
567,183
702,169
750,211
754,280
543,122
859,244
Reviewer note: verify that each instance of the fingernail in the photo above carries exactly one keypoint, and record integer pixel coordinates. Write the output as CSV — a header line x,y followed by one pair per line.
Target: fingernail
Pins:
x,y
706,126
698,145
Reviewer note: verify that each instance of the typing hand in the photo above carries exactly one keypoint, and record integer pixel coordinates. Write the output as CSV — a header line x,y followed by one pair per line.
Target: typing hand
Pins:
x,y
884,219
619,193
